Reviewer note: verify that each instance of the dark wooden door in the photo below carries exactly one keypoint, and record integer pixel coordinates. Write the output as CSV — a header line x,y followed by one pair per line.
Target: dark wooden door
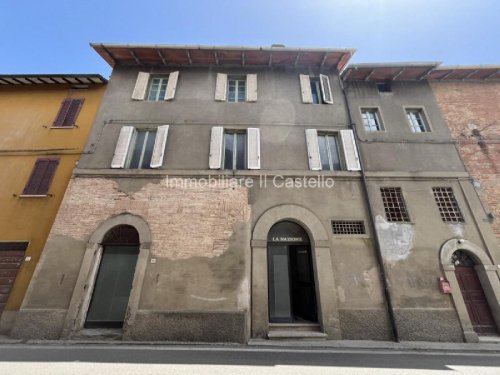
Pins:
x,y
303,291
10,262
475,300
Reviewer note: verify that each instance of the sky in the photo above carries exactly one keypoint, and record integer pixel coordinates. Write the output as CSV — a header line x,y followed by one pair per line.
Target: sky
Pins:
x,y
52,36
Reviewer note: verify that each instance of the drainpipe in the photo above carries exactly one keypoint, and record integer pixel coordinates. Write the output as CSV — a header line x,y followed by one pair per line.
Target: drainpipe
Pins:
x,y
378,252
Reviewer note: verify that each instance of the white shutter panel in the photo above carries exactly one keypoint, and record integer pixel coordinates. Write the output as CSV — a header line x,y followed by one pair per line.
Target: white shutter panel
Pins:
x,y
159,149
171,85
313,149
350,151
221,87
305,88
326,90
216,143
122,146
251,87
253,146
141,85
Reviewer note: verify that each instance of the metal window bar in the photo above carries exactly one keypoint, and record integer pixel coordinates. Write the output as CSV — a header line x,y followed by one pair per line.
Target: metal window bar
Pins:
x,y
348,227
394,204
448,205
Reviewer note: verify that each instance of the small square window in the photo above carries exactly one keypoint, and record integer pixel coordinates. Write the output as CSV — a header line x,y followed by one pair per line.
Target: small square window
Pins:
x,y
329,152
141,149
236,90
394,204
371,120
235,150
384,86
448,205
417,121
157,88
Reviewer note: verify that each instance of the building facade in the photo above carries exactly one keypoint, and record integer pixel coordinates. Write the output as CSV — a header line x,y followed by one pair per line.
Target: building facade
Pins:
x,y
44,124
237,193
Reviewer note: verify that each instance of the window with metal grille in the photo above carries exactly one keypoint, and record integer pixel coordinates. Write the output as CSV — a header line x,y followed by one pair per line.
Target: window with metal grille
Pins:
x,y
394,204
68,112
348,227
447,204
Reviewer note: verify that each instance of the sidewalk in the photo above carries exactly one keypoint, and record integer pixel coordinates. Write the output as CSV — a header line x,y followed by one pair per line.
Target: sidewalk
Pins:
x,y
486,346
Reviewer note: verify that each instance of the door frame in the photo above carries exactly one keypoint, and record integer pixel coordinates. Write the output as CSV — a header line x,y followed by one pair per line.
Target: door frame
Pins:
x,y
320,243
84,287
488,274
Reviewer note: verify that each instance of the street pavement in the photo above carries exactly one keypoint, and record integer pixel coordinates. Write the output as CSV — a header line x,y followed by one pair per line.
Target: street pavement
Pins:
x,y
235,360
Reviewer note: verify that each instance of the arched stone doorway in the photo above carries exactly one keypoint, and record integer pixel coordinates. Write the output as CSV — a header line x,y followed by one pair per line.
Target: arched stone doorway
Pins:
x,y
103,236
292,291
320,250
111,292
457,253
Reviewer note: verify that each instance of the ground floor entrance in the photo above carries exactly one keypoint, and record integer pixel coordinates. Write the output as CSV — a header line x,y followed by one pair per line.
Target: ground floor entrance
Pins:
x,y
292,296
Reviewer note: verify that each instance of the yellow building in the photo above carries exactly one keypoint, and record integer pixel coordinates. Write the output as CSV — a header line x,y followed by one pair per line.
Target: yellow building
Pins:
x,y
44,124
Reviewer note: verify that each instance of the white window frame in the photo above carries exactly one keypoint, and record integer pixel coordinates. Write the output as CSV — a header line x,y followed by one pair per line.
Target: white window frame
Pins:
x,y
238,81
163,80
423,117
235,150
341,156
378,119
132,145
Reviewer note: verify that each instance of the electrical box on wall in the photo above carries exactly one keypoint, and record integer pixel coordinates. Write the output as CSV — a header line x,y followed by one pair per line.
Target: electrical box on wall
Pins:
x,y
444,286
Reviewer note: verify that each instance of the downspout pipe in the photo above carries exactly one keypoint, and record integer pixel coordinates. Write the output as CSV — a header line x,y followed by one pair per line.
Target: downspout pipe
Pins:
x,y
378,252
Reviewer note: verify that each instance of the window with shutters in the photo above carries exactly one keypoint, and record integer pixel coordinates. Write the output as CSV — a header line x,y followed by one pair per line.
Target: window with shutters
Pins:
x,y
417,120
329,152
371,120
141,149
157,88
394,204
41,177
68,113
236,89
235,150
316,90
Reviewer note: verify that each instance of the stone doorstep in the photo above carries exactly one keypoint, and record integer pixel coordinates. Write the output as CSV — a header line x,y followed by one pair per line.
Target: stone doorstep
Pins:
x,y
312,327
489,339
296,335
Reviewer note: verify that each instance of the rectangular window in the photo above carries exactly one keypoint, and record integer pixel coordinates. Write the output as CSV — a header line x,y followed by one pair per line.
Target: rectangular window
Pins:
x,y
41,177
348,227
236,90
157,88
68,112
394,204
329,152
235,152
141,149
384,86
316,91
447,204
417,120
371,120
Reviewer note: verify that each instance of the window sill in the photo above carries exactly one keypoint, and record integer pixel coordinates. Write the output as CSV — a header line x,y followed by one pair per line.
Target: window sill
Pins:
x,y
34,196
64,127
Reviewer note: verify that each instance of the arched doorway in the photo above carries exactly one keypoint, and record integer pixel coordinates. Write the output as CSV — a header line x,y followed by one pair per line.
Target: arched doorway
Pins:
x,y
113,283
473,294
292,292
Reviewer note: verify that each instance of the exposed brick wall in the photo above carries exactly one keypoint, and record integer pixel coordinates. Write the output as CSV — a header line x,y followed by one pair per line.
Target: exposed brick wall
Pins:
x,y
185,221
472,112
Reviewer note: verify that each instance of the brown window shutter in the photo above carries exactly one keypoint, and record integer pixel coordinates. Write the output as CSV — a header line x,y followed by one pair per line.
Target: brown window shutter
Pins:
x,y
41,177
68,112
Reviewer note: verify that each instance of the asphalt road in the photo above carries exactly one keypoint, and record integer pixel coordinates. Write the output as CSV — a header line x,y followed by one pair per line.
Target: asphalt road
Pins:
x,y
125,360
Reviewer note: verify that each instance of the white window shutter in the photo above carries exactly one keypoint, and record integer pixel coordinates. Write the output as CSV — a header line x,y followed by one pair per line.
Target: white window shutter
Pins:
x,y
253,147
121,149
171,85
251,87
216,143
313,149
141,85
221,87
350,151
305,88
159,149
326,90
